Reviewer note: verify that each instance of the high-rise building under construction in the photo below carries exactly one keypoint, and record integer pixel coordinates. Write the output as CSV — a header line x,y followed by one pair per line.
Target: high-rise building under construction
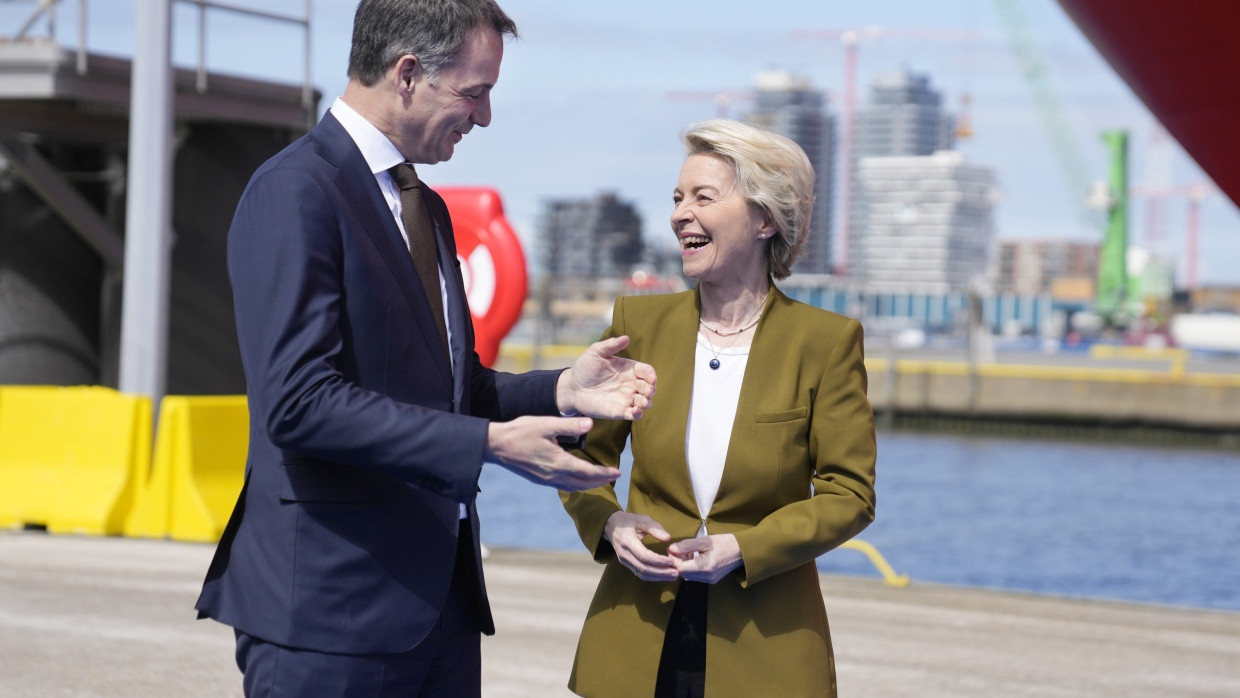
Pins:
x,y
928,223
789,105
904,116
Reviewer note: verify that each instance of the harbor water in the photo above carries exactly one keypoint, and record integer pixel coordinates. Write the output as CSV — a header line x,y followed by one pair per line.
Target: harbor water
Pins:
x,y
1151,525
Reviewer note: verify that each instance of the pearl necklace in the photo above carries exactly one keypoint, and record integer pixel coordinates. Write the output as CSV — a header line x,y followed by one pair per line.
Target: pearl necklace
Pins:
x,y
714,363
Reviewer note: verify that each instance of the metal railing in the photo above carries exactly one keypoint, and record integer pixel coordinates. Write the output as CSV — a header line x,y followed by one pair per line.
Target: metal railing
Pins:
x,y
890,578
45,10
307,96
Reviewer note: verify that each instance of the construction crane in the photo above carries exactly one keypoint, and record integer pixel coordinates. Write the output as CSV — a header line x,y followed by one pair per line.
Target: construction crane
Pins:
x,y
1112,293
1050,108
723,99
1196,192
1193,193
1157,189
1113,299
851,40
1157,180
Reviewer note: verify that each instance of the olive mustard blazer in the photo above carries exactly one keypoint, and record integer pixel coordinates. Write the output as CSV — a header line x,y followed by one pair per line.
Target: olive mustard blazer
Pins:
x,y
798,481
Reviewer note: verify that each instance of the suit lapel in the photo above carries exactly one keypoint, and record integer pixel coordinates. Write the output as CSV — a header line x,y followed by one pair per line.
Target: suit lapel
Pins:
x,y
757,375
666,432
359,187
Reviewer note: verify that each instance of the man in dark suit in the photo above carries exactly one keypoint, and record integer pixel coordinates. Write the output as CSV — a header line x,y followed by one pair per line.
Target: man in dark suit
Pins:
x,y
350,566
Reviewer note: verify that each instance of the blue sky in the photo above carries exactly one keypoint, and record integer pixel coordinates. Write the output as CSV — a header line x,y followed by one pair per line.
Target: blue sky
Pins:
x,y
582,105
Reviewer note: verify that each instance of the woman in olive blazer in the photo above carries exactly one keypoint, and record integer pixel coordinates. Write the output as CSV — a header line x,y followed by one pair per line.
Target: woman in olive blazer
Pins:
x,y
798,477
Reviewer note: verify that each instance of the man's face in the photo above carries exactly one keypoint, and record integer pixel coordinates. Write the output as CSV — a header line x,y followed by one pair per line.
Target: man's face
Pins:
x,y
437,114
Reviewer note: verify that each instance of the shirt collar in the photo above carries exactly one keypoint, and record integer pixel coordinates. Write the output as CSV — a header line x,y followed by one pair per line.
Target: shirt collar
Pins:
x,y
379,152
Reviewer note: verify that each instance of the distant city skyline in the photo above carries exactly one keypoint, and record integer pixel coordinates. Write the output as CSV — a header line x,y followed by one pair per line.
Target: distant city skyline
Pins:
x,y
583,104
902,115
590,238
789,105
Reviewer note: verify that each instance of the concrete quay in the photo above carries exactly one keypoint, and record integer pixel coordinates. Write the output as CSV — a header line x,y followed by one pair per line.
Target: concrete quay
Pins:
x,y
1125,387
89,616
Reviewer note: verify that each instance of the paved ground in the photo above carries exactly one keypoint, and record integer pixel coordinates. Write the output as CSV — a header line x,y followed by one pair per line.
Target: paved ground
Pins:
x,y
112,617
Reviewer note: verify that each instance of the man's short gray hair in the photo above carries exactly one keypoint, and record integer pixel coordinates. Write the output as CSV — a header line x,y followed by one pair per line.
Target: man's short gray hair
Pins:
x,y
432,30
773,174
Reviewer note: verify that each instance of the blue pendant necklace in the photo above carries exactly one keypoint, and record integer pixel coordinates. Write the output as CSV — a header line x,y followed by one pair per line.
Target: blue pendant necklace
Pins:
x,y
714,363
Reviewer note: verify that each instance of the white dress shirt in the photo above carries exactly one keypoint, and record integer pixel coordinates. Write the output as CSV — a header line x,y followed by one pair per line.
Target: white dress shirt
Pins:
x,y
381,156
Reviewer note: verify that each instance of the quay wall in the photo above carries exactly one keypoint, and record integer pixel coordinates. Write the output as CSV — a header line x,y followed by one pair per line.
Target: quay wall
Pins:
x,y
1055,393
1090,400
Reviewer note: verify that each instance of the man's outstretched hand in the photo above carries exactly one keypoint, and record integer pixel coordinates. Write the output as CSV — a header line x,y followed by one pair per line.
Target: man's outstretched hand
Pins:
x,y
527,446
601,384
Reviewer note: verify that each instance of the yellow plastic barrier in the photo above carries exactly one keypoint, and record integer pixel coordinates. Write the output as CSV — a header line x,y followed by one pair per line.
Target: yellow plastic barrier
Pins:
x,y
197,472
33,452
148,517
68,456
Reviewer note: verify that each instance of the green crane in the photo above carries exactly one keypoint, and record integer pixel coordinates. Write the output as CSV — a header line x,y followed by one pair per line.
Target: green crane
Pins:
x,y
1113,287
1114,292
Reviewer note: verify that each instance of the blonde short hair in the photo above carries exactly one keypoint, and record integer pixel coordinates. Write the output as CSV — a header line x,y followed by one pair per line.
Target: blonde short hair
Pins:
x,y
774,175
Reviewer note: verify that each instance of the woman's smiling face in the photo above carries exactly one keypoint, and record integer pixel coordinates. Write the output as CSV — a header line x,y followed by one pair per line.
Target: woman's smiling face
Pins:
x,y
717,229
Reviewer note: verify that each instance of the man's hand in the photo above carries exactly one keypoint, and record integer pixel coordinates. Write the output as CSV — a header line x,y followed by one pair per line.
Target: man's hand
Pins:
x,y
625,531
706,559
527,447
601,384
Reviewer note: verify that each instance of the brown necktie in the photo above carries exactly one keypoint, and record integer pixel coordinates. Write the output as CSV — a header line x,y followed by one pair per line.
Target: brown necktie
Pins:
x,y
422,246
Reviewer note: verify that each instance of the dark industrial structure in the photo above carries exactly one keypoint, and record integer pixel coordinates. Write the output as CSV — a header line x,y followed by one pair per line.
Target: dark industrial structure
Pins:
x,y
64,143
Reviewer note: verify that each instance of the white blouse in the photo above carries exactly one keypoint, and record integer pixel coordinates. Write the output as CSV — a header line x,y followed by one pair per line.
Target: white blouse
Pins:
x,y
712,411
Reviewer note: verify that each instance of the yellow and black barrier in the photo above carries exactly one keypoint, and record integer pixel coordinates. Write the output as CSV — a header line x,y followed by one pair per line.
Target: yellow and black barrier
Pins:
x,y
69,456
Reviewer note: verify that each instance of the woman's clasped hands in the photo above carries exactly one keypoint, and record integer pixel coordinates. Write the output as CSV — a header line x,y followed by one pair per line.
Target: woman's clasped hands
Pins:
x,y
705,559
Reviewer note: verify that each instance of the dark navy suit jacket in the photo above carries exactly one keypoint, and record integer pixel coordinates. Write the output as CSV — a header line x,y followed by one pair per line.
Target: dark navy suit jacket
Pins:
x,y
362,439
